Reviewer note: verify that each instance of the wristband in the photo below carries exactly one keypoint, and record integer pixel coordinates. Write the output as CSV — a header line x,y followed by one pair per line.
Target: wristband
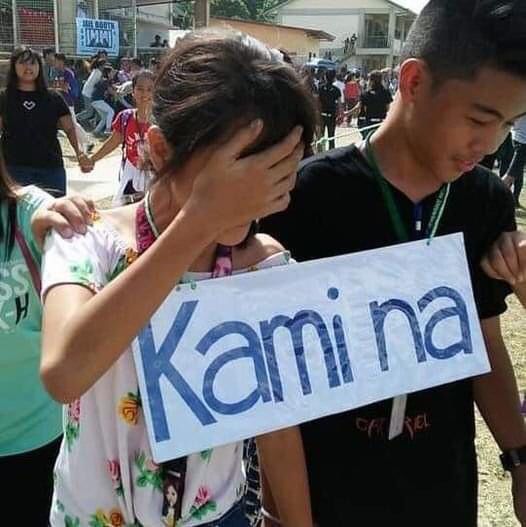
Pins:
x,y
513,458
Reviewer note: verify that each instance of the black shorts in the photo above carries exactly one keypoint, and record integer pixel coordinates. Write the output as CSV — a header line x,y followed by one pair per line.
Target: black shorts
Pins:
x,y
28,477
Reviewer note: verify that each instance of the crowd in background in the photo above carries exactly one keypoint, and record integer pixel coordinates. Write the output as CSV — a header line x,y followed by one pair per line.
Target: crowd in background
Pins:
x,y
96,88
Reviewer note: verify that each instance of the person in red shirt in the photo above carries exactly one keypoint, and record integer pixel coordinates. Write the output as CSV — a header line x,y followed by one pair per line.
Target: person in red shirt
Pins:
x,y
352,94
129,130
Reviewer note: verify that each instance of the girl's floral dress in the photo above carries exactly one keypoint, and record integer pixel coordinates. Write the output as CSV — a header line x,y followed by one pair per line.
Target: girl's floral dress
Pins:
x,y
105,475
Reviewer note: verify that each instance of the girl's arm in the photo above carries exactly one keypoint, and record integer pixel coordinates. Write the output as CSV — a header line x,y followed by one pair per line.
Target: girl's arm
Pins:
x,y
66,123
84,334
108,147
283,462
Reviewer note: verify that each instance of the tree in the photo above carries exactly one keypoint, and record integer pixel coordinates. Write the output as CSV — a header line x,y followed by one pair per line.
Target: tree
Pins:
x,y
260,10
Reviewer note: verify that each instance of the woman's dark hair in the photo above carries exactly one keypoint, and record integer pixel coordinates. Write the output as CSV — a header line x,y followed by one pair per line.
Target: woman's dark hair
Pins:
x,y
97,63
458,37
7,194
144,74
375,80
23,55
106,71
211,84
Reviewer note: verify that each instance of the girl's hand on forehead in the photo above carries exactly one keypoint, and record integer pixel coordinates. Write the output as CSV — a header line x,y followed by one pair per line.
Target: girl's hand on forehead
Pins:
x,y
234,191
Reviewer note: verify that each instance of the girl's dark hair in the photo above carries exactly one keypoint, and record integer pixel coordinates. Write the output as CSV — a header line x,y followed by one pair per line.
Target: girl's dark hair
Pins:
x,y
375,80
212,84
23,55
144,74
106,71
97,63
7,194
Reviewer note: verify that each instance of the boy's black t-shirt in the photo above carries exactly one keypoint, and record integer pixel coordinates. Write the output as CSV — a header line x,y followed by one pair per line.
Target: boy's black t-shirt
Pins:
x,y
100,89
376,103
329,96
30,126
337,208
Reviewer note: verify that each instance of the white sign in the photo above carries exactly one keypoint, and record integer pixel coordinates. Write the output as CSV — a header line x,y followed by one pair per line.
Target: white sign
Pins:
x,y
97,35
236,357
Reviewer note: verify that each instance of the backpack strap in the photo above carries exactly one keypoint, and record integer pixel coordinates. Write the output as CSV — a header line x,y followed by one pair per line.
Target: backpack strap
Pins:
x,y
32,265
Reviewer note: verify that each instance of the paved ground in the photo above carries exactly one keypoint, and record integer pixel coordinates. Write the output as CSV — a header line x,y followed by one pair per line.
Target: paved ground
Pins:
x,y
99,184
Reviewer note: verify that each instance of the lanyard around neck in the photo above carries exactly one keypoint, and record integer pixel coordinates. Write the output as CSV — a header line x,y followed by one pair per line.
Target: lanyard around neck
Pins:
x,y
394,214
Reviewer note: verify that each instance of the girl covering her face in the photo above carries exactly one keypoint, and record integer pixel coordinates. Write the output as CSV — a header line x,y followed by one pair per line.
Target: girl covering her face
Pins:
x,y
232,123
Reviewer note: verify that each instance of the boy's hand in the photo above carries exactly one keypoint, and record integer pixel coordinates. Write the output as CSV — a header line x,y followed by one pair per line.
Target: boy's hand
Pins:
x,y
506,260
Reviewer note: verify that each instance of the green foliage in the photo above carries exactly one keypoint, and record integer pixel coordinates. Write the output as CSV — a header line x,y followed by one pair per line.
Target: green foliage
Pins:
x,y
259,10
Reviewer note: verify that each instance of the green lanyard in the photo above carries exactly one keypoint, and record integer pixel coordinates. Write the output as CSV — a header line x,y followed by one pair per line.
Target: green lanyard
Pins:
x,y
387,194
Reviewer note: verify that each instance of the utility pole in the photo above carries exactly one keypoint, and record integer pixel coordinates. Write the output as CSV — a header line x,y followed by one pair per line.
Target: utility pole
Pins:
x,y
201,13
134,22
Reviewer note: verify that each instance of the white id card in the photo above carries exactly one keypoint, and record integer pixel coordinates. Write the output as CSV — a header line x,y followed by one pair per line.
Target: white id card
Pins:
x,y
396,425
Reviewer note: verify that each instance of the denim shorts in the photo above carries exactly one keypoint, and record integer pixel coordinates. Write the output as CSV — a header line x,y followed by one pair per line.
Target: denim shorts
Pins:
x,y
235,517
52,180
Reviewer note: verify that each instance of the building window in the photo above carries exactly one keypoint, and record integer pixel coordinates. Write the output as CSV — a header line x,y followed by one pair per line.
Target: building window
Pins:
x,y
376,33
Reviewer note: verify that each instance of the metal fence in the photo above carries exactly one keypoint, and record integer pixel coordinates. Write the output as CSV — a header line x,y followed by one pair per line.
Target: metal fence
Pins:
x,y
52,23
28,22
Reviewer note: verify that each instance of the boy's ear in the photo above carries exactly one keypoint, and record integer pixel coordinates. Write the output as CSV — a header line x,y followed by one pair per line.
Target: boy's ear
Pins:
x,y
414,75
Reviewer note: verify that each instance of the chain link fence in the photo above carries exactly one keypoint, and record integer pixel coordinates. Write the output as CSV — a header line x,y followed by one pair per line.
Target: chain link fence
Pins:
x,y
27,22
143,25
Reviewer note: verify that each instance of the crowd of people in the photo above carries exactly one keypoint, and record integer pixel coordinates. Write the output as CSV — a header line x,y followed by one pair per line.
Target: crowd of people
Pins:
x,y
230,155
344,96
91,100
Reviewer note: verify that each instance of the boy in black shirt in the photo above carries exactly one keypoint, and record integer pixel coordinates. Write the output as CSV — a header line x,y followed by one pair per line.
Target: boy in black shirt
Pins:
x,y
330,98
462,85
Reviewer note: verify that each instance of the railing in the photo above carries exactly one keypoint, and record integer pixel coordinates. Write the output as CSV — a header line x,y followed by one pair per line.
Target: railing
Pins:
x,y
375,42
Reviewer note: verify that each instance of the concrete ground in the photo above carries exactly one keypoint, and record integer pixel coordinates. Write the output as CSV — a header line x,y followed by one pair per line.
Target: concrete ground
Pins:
x,y
97,185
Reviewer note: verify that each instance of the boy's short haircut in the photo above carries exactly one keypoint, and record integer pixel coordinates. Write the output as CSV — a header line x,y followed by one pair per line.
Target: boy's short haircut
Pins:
x,y
456,38
330,75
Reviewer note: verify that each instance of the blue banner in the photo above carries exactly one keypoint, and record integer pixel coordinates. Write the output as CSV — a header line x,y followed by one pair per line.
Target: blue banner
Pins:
x,y
97,35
